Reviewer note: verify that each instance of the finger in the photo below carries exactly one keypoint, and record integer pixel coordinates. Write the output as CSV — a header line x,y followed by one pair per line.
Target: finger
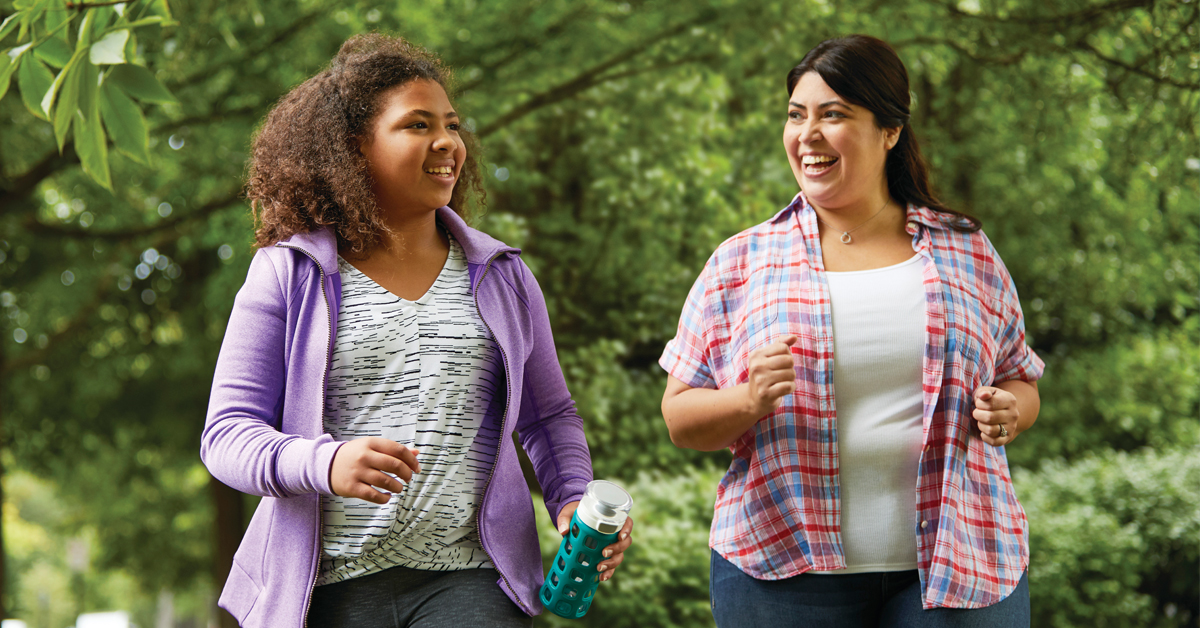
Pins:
x,y
396,450
790,339
782,362
366,492
564,517
390,464
781,389
985,416
622,544
383,481
609,566
984,393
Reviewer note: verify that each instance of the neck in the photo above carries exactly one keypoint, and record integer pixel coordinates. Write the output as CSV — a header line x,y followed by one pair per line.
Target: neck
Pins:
x,y
873,215
410,235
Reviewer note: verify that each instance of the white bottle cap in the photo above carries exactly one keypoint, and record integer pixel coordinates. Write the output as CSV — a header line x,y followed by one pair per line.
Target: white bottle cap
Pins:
x,y
604,507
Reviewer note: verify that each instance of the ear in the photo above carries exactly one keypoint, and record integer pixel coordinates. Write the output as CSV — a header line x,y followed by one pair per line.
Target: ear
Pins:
x,y
891,135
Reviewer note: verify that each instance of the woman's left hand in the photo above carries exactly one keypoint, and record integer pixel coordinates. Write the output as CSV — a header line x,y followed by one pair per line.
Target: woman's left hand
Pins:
x,y
997,415
613,554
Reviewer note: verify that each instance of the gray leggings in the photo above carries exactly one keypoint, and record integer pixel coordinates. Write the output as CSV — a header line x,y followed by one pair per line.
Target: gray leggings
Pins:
x,y
399,597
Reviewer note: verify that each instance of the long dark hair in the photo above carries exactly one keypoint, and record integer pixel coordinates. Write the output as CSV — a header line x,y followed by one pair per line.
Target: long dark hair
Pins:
x,y
867,72
306,171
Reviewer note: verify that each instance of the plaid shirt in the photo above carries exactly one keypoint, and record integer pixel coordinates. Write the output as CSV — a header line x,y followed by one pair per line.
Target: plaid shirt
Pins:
x,y
777,509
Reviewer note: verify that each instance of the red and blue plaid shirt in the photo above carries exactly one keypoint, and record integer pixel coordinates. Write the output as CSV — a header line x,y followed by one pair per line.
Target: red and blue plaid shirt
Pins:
x,y
778,508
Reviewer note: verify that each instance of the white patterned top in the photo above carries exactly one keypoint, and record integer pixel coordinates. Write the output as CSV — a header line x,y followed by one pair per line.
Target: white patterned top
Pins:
x,y
426,374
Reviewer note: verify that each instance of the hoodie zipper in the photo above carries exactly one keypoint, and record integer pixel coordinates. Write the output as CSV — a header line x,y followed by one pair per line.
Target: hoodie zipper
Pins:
x,y
500,445
328,347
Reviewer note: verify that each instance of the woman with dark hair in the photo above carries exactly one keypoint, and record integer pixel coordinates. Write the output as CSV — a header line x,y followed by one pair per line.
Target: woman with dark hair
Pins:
x,y
377,362
862,354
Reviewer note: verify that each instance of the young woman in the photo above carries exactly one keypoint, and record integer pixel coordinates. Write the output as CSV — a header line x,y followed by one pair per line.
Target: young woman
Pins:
x,y
377,362
862,354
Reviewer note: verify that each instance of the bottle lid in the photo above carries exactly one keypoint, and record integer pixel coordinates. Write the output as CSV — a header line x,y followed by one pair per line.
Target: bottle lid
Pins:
x,y
604,507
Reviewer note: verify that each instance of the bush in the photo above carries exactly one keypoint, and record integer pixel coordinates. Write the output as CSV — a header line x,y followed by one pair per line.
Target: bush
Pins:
x,y
1114,539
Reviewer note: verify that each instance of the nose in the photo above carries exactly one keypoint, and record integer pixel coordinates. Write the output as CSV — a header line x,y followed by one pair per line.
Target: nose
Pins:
x,y
444,142
810,132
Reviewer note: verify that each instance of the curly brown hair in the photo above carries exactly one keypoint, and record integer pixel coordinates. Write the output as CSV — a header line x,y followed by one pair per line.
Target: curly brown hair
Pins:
x,y
306,171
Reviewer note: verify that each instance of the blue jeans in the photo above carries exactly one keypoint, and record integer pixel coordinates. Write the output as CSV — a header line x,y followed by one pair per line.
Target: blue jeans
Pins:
x,y
882,599
399,597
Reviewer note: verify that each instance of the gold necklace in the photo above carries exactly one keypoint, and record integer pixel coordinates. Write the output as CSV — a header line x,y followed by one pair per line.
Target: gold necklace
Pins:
x,y
846,239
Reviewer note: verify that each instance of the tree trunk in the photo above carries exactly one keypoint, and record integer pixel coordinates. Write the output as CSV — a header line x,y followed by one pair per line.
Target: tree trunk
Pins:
x,y
230,515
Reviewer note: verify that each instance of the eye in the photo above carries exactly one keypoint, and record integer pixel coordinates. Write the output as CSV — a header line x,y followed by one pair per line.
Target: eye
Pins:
x,y
795,115
418,125
453,126
834,114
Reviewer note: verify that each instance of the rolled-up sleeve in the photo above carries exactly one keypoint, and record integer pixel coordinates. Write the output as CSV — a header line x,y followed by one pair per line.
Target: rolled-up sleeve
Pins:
x,y
686,355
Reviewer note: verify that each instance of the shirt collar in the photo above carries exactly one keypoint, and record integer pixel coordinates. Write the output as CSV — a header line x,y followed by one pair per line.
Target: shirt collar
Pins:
x,y
921,215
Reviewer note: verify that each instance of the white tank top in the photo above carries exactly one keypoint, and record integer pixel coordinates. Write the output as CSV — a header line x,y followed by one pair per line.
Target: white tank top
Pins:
x,y
878,345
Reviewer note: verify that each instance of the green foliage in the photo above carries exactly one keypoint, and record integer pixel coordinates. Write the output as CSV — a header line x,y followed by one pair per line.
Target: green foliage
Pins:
x,y
623,142
81,41
1113,539
663,580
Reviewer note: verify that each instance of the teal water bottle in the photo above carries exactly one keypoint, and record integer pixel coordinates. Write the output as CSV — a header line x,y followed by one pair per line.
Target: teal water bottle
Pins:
x,y
572,580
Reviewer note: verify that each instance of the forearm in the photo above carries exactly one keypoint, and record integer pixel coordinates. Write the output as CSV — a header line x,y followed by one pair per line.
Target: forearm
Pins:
x,y
706,419
1028,401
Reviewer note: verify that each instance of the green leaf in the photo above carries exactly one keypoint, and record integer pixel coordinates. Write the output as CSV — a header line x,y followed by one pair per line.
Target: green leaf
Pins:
x,y
110,50
55,52
90,144
56,14
146,22
9,25
125,123
131,48
140,83
63,106
7,67
103,15
32,14
34,80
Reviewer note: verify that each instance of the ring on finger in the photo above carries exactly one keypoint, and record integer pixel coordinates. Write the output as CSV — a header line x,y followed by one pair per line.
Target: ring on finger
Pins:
x,y
1003,431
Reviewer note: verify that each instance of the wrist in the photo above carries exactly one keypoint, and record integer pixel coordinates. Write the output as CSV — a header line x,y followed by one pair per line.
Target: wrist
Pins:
x,y
751,405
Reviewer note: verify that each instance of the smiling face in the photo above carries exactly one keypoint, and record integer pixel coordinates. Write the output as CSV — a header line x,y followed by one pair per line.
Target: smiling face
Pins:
x,y
836,149
414,152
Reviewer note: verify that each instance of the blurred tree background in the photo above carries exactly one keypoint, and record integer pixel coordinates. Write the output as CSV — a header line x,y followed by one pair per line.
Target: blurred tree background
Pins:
x,y
623,142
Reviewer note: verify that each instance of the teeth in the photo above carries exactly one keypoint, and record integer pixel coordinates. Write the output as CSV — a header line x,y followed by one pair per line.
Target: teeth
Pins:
x,y
816,159
440,170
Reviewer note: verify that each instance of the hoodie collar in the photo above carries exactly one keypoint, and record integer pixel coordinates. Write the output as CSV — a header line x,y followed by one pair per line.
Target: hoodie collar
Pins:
x,y
321,244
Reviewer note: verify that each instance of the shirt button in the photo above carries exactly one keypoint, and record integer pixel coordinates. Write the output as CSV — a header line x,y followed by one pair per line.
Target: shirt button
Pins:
x,y
924,524
911,226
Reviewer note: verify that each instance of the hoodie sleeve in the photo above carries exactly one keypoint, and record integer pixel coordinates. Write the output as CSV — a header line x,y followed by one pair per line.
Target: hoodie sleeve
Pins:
x,y
242,444
550,429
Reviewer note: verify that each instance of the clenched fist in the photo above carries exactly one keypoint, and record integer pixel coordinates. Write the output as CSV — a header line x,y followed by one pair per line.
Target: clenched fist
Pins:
x,y
772,376
363,464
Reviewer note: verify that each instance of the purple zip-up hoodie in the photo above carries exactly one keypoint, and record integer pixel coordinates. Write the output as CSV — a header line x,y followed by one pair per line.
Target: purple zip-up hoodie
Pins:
x,y
264,433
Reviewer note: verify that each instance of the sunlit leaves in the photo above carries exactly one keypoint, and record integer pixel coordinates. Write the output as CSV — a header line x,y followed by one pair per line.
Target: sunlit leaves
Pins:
x,y
34,80
71,100
124,122
140,83
90,142
111,49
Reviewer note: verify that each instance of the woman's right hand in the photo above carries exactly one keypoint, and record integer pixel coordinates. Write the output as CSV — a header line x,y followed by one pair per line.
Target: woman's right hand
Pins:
x,y
772,376
364,463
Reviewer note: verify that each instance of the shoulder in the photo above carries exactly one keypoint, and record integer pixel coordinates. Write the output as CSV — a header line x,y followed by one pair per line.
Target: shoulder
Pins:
x,y
735,259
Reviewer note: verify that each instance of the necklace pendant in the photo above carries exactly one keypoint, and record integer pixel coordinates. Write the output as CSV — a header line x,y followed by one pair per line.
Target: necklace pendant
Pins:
x,y
845,237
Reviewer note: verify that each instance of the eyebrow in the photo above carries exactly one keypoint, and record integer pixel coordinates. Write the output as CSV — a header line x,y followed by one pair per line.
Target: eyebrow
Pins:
x,y
822,105
428,114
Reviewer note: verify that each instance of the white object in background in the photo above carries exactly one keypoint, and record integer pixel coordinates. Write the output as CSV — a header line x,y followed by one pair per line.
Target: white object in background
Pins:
x,y
13,623
112,619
